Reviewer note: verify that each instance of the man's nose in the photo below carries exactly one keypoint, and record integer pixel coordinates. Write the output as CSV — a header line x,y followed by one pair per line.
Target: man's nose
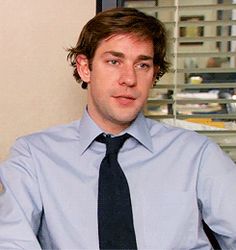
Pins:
x,y
128,76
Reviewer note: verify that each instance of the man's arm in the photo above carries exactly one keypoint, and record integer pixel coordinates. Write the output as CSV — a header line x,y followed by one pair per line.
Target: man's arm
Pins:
x,y
20,203
217,194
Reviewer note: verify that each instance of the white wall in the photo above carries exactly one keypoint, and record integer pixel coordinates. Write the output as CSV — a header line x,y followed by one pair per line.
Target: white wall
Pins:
x,y
37,89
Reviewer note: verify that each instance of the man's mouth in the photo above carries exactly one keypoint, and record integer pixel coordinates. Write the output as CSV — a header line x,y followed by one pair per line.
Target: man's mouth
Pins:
x,y
125,99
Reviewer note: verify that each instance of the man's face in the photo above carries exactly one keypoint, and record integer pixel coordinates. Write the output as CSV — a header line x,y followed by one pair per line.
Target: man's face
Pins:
x,y
119,81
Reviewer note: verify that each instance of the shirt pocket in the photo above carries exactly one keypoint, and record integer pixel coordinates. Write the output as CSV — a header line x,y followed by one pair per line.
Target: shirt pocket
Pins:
x,y
170,219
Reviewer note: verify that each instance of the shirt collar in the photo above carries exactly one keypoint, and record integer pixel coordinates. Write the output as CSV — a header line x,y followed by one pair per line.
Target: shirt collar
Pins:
x,y
89,130
140,131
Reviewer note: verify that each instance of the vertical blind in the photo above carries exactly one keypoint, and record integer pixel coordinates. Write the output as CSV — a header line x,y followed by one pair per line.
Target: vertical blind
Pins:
x,y
199,91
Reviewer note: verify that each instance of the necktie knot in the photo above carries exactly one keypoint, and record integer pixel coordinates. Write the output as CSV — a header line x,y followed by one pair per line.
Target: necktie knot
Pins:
x,y
113,144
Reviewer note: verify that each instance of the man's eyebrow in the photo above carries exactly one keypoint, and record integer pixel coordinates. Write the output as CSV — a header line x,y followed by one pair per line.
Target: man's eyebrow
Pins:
x,y
122,55
115,53
145,57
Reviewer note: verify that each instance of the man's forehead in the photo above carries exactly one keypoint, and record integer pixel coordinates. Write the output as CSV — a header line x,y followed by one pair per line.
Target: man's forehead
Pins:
x,y
122,41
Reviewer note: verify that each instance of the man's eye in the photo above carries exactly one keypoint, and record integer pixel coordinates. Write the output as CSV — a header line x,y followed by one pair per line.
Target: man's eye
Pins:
x,y
143,66
113,62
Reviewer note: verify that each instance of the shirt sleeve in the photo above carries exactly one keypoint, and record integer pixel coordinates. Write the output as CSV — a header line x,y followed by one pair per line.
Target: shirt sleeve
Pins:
x,y
217,194
20,203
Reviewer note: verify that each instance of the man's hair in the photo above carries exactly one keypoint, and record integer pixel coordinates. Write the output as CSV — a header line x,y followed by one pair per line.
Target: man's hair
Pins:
x,y
120,21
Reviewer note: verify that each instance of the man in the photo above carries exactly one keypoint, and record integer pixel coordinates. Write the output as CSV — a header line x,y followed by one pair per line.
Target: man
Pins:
x,y
52,183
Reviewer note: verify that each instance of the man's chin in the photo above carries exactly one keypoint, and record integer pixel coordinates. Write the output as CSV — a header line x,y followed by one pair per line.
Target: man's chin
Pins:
x,y
126,119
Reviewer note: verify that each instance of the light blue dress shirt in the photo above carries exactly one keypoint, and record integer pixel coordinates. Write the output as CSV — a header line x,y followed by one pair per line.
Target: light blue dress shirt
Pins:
x,y
176,178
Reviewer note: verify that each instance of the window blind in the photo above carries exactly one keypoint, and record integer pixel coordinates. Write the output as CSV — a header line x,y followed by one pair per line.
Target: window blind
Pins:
x,y
199,91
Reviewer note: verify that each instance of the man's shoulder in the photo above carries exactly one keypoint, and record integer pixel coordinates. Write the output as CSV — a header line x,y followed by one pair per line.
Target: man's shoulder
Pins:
x,y
166,130
62,132
52,142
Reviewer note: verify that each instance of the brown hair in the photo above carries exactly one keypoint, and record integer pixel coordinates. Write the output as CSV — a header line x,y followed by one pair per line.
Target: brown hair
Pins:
x,y
120,21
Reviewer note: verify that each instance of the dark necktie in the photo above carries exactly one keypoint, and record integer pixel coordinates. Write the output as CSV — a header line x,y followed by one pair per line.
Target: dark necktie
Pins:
x,y
115,218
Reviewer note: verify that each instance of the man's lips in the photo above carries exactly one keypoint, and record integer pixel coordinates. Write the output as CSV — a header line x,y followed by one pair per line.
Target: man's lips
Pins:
x,y
125,99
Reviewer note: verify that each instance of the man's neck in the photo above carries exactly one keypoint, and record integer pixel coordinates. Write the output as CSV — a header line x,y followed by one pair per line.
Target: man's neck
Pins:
x,y
109,126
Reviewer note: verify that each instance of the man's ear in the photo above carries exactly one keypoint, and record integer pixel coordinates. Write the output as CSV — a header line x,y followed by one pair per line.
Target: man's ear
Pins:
x,y
82,66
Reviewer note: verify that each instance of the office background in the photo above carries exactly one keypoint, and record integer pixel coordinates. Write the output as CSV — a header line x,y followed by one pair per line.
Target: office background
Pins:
x,y
38,90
